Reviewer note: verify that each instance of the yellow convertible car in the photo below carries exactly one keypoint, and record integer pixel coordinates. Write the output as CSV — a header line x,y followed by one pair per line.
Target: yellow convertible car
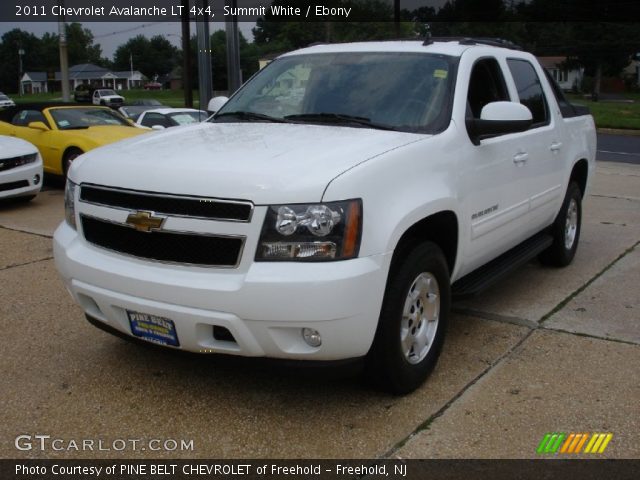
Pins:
x,y
62,131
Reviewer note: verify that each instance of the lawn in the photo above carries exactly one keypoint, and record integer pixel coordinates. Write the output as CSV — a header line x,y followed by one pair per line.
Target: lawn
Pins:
x,y
610,114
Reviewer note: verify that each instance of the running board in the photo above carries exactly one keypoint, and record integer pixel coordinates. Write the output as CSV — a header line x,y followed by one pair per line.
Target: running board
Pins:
x,y
496,269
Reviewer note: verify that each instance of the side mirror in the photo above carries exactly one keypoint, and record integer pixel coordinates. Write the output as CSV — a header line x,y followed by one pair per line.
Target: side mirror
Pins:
x,y
157,127
38,126
216,104
499,118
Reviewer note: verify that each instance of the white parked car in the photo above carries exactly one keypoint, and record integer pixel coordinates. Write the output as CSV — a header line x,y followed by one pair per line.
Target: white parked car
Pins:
x,y
6,101
329,210
108,97
20,169
161,118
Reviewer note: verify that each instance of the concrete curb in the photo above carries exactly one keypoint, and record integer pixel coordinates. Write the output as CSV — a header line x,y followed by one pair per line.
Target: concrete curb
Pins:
x,y
619,131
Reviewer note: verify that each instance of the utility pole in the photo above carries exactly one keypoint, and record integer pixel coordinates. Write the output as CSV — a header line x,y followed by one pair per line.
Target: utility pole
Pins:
x,y
20,72
187,85
396,16
234,74
64,58
205,80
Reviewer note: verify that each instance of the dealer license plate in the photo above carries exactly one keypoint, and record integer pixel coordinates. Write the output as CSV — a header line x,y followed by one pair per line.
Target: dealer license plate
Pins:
x,y
152,328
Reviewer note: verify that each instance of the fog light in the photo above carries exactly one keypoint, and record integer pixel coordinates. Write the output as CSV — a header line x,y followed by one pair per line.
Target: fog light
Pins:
x,y
36,179
312,337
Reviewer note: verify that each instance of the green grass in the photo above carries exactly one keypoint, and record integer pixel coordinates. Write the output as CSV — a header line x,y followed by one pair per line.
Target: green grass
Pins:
x,y
609,114
173,98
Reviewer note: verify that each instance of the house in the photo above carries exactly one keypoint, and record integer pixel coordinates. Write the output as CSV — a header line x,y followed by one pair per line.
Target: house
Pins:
x,y
33,82
631,73
568,77
85,73
172,80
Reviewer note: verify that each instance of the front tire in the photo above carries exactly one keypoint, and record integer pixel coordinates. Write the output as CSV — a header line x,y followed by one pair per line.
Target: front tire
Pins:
x,y
565,230
413,321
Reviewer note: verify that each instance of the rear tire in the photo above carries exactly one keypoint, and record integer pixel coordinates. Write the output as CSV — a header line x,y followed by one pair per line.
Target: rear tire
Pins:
x,y
413,321
565,230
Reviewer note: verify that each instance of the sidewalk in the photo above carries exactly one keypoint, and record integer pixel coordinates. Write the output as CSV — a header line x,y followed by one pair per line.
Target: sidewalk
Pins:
x,y
576,367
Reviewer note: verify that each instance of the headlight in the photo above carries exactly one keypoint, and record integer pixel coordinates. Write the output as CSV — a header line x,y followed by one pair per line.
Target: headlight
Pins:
x,y
25,159
311,232
69,205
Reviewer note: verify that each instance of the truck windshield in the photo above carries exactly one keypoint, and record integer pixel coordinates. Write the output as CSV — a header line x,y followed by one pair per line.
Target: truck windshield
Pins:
x,y
388,90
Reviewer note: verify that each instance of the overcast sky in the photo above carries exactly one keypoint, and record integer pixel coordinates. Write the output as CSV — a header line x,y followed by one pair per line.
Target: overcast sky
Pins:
x,y
112,34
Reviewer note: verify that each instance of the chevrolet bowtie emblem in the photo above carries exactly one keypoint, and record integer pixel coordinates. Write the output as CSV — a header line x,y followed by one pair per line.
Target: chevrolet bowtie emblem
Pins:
x,y
144,221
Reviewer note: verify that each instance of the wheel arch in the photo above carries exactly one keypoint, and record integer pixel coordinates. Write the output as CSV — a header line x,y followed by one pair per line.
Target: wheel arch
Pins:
x,y
441,228
580,174
66,151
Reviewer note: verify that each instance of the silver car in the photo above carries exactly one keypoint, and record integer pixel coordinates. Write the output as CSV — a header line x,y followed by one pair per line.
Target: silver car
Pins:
x,y
6,101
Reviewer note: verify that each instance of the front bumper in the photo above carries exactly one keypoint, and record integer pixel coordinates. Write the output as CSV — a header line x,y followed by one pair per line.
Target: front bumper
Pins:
x,y
264,307
12,182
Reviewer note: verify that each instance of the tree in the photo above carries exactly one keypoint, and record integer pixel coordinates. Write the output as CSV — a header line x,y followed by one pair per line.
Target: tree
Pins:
x,y
278,36
81,47
155,56
12,42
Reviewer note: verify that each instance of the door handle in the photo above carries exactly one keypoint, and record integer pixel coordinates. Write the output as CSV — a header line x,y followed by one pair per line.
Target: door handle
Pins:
x,y
521,158
555,146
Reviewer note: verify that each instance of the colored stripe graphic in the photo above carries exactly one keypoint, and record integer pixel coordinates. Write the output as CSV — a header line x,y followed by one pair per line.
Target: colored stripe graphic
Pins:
x,y
556,445
543,443
574,442
598,442
581,442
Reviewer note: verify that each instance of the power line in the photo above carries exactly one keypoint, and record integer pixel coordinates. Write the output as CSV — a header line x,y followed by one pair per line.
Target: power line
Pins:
x,y
127,30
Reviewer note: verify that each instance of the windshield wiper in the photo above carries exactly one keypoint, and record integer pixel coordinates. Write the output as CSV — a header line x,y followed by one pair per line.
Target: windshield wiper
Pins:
x,y
77,127
242,115
338,118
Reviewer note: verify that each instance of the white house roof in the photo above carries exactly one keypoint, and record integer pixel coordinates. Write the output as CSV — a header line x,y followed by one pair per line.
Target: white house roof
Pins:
x,y
85,71
34,77
552,62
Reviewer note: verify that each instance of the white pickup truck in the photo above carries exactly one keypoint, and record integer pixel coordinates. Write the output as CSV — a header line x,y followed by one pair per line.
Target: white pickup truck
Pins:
x,y
107,97
333,206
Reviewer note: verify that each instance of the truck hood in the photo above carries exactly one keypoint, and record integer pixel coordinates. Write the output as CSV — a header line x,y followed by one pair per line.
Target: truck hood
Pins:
x,y
267,163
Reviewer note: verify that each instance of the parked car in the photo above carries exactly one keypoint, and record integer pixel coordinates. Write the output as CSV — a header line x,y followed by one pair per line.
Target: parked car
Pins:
x,y
83,93
132,112
170,117
148,102
153,86
62,132
107,97
20,169
335,222
5,101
